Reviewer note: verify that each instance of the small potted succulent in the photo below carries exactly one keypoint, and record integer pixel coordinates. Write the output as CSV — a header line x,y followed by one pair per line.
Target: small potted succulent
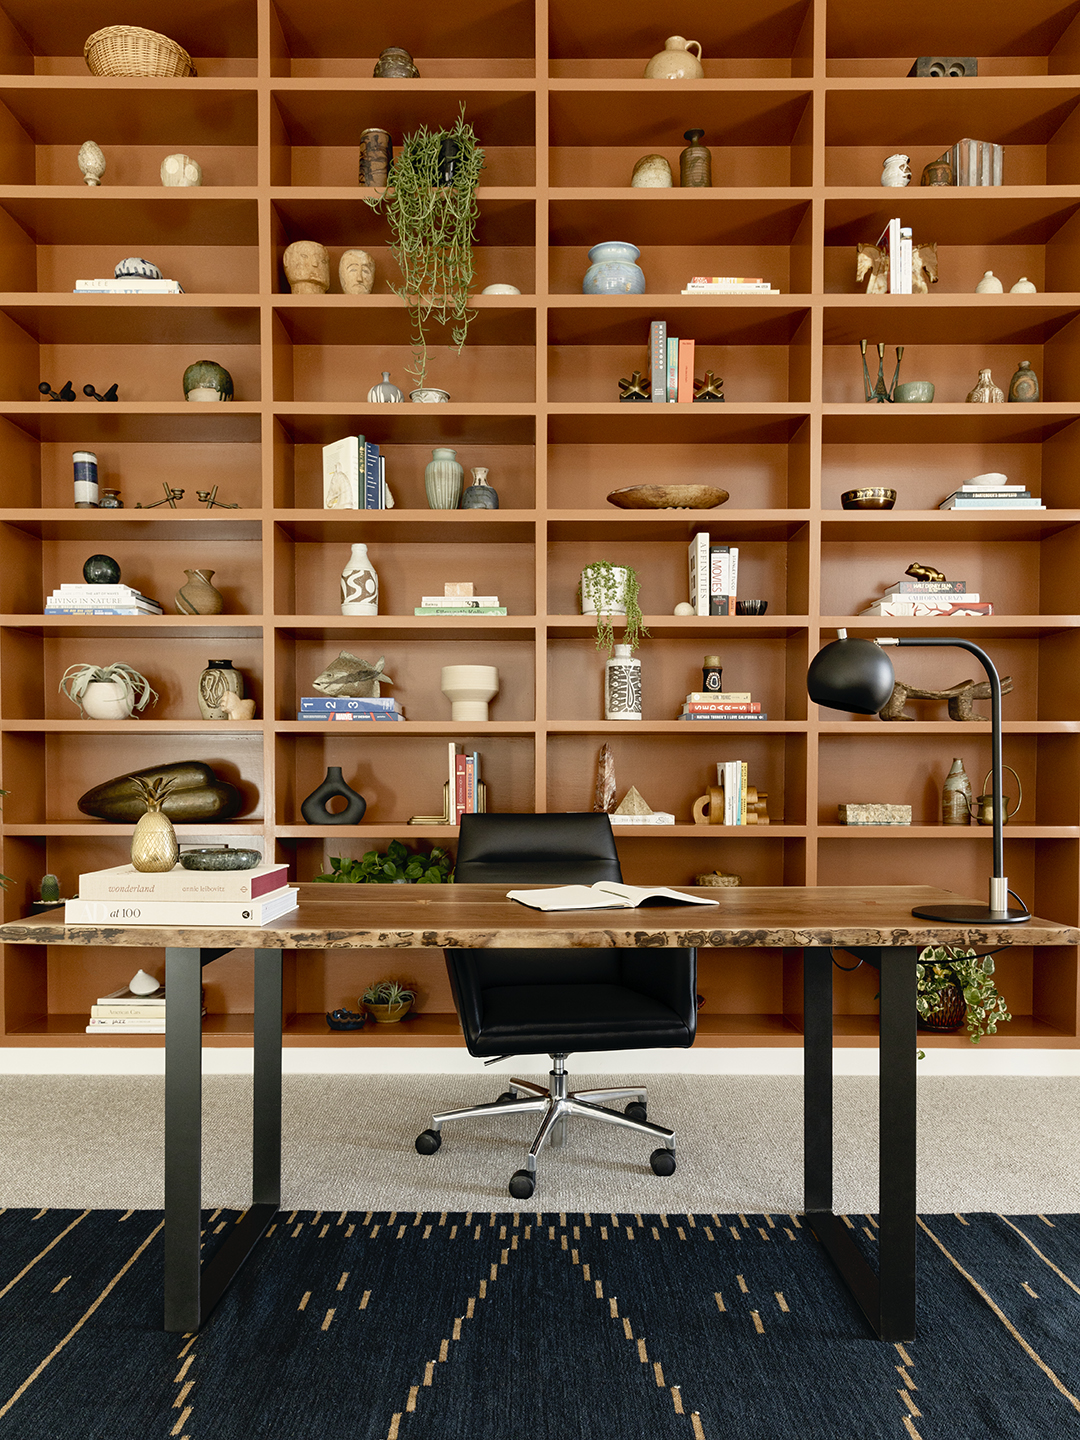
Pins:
x,y
49,896
608,591
107,692
388,1001
954,986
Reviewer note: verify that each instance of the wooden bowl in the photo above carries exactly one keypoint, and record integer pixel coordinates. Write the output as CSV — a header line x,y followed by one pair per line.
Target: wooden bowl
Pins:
x,y
668,497
870,497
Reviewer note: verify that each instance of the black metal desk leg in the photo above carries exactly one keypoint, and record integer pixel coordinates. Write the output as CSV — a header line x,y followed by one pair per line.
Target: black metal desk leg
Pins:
x,y
191,1290
896,1144
817,1079
183,1138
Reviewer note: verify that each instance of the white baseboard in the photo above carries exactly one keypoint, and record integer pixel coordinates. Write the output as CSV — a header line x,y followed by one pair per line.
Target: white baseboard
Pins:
x,y
455,1061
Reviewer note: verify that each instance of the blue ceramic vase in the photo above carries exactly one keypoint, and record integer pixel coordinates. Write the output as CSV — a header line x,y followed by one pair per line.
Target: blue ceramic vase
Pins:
x,y
613,271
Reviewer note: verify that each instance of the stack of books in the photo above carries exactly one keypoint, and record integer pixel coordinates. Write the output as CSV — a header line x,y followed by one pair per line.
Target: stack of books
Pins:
x,y
100,600
929,597
459,605
671,364
991,492
728,285
127,285
123,1013
348,707
713,574
354,476
122,895
465,785
718,705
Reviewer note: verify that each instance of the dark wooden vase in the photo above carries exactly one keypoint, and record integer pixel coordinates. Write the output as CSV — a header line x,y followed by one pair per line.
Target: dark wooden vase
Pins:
x,y
949,1013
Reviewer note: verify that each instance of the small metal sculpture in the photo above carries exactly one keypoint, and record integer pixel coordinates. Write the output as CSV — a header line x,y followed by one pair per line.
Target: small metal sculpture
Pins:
x,y
635,388
710,390
925,572
171,497
92,394
210,500
67,393
349,675
960,698
939,67
879,393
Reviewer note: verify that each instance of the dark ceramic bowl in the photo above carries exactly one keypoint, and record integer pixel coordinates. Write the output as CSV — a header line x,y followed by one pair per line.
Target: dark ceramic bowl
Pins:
x,y
870,497
751,607
346,1019
221,859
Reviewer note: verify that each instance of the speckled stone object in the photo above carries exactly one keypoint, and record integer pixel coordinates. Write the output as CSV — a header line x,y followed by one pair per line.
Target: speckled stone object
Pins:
x,y
220,859
867,814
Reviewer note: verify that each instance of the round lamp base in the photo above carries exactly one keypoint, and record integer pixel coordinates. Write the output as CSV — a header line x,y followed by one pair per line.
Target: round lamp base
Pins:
x,y
971,915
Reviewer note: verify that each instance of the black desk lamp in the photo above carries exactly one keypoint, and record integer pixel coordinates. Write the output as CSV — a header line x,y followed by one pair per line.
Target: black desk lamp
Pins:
x,y
857,676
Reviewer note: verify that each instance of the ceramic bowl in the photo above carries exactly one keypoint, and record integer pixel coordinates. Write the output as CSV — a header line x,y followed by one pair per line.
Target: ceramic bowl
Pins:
x,y
751,607
668,497
870,497
913,392
429,397
500,290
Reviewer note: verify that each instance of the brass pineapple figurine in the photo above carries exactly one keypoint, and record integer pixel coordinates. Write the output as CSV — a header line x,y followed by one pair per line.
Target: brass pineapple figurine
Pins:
x,y
153,845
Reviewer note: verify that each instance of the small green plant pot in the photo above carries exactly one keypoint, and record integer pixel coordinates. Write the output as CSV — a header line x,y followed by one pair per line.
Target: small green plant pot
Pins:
x,y
388,1014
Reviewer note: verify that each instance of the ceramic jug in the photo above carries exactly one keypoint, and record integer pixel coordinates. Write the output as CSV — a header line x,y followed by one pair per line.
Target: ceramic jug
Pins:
x,y
675,61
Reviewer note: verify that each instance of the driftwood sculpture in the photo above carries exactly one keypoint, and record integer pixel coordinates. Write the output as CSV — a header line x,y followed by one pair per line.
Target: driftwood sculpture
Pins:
x,y
960,698
872,262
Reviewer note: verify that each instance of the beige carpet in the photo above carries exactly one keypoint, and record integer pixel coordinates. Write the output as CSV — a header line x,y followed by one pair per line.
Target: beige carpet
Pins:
x,y
1000,1144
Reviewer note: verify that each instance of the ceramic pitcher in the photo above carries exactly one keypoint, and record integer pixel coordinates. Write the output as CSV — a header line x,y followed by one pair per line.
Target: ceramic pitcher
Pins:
x,y
675,61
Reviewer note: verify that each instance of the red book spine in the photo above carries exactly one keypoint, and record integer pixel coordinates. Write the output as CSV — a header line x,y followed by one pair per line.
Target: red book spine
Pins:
x,y
460,786
470,785
705,707
686,372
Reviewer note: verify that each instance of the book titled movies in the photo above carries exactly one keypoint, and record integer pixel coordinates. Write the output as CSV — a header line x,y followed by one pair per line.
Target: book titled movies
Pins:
x,y
713,575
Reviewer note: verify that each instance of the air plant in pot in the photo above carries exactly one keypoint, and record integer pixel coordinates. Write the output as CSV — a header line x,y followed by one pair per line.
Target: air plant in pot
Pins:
x,y
107,692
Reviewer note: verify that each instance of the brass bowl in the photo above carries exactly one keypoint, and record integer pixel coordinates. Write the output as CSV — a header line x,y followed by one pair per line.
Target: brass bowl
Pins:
x,y
870,497
668,497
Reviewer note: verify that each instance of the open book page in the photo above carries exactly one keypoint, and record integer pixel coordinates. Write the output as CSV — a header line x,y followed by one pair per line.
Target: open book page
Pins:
x,y
604,895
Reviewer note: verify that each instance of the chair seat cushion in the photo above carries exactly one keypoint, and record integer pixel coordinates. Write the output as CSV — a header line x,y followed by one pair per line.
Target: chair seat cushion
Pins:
x,y
544,1018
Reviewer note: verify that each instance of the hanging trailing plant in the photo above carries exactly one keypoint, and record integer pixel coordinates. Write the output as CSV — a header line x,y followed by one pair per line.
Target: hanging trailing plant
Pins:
x,y
430,202
943,969
613,590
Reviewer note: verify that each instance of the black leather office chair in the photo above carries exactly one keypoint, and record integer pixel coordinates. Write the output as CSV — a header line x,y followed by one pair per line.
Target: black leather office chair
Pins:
x,y
520,1002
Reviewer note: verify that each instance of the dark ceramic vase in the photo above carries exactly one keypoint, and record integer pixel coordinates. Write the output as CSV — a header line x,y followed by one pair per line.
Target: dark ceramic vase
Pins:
x,y
314,810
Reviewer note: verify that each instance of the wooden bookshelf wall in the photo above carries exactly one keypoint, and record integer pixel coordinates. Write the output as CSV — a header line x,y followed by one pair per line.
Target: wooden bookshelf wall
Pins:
x,y
800,105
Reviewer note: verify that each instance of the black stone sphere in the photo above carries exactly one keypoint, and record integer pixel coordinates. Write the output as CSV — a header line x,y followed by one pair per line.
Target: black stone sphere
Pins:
x,y
101,570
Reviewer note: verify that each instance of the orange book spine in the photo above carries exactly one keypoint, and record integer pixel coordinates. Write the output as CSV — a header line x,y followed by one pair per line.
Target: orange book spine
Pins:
x,y
686,372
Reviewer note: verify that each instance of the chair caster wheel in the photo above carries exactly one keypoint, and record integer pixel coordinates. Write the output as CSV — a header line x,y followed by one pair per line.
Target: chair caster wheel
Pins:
x,y
662,1162
522,1185
428,1141
636,1111
506,1097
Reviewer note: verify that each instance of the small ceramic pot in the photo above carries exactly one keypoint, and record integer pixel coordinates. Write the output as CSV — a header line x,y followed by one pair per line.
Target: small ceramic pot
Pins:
x,y
652,172
469,688
480,495
751,607
376,153
359,583
985,391
500,290
443,478
207,380
695,162
989,284
613,271
676,61
220,678
180,171
617,605
897,171
395,63
385,393
429,396
199,596
1024,385
913,392
106,700
1023,286
137,268
937,172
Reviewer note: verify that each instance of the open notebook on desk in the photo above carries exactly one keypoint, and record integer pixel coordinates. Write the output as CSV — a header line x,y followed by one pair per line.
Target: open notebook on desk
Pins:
x,y
604,895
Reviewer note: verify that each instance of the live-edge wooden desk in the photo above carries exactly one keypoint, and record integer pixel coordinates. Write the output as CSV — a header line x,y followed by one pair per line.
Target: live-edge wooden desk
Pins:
x,y
872,922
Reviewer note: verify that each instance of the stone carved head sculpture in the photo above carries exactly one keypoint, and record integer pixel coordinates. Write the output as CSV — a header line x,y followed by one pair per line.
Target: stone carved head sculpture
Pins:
x,y
307,267
356,272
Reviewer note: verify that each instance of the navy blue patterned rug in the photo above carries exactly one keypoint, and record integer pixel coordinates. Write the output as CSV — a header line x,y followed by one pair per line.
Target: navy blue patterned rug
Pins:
x,y
406,1326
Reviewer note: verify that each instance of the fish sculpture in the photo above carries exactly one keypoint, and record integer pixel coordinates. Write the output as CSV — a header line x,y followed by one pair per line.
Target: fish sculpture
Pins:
x,y
349,675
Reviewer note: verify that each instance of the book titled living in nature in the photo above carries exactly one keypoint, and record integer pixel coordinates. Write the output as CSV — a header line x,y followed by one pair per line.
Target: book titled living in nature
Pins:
x,y
604,895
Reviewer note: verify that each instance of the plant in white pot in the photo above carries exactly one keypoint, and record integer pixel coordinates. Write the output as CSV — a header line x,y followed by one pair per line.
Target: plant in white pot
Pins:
x,y
107,692
609,590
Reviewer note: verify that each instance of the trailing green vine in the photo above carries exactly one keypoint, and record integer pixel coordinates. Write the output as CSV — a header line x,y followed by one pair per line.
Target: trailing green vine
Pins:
x,y
942,966
606,590
434,228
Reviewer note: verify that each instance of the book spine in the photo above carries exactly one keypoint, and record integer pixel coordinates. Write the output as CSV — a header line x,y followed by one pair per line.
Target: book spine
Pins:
x,y
457,610
899,610
71,588
460,785
463,602
894,256
721,605
743,768
719,719
726,280
72,605
722,571
141,1014
131,1027
729,697
102,610
384,493
685,389
179,912
722,707
358,717
658,361
190,886
453,751
371,476
348,702
951,598
672,385
998,166
905,262
928,587
1033,503
470,784
699,573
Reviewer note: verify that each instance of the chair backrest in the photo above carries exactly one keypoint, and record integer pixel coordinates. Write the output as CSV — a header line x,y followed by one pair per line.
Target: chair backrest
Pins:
x,y
538,849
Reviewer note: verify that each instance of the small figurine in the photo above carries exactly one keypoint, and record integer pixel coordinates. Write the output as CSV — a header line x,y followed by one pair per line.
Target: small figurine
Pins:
x,y
91,162
897,171
635,388
710,390
356,273
349,675
235,708
307,267
67,393
110,394
925,572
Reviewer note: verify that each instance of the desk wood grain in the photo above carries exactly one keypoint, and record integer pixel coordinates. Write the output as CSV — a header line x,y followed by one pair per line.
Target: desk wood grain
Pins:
x,y
450,917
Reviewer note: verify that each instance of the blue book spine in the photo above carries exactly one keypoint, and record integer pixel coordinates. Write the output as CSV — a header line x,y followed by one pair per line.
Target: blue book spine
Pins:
x,y
327,704
371,477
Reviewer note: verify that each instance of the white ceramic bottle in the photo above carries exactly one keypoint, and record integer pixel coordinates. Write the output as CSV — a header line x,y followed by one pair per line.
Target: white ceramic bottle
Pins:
x,y
359,584
622,686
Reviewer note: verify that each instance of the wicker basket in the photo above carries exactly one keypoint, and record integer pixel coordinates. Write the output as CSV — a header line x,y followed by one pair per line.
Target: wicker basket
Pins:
x,y
130,50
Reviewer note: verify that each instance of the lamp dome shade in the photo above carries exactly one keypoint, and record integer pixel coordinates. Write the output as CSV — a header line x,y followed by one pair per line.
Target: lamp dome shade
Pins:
x,y
853,675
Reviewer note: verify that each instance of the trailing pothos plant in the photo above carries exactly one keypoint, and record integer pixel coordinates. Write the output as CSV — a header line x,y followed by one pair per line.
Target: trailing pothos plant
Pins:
x,y
434,226
392,866
605,590
942,966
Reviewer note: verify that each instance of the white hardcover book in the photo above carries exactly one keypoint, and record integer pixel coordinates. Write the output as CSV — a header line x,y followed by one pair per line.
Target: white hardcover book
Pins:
x,y
180,912
657,817
126,996
341,474
699,572
905,262
128,1011
95,1029
137,1023
128,285
125,883
460,602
